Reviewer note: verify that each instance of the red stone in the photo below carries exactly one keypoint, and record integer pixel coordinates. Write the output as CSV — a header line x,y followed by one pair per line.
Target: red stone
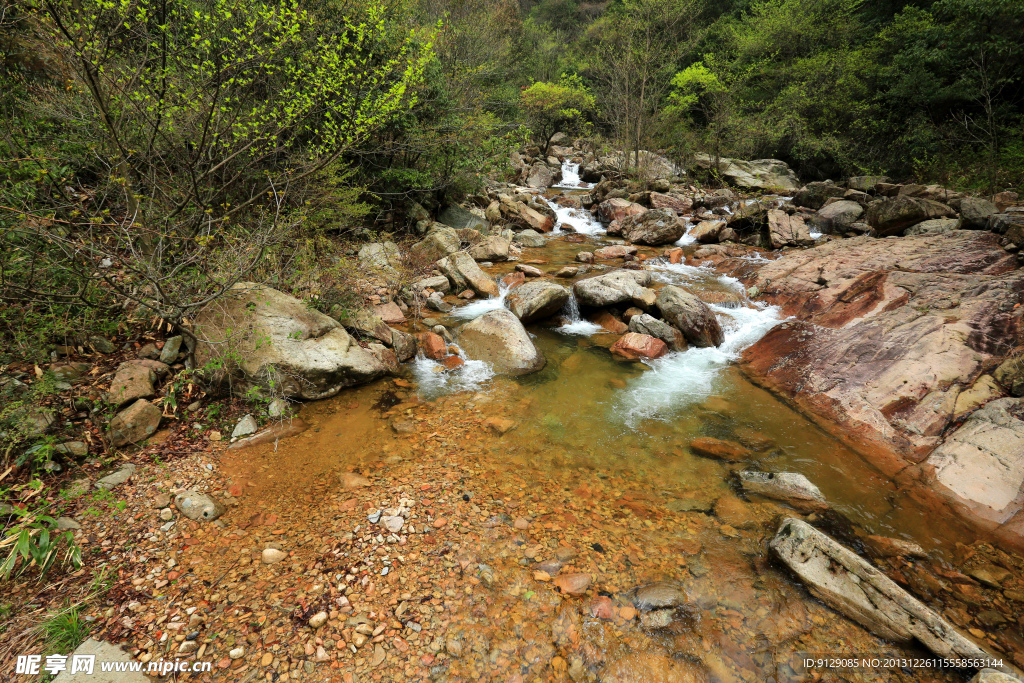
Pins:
x,y
573,584
615,251
452,362
390,313
602,608
634,346
609,322
512,280
719,449
432,345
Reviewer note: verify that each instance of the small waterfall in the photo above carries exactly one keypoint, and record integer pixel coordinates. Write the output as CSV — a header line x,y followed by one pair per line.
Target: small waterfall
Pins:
x,y
576,325
581,220
571,177
478,307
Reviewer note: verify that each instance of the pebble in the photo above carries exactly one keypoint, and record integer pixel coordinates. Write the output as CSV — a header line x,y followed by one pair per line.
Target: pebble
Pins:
x,y
393,523
272,555
237,653
318,619
522,524
573,584
166,514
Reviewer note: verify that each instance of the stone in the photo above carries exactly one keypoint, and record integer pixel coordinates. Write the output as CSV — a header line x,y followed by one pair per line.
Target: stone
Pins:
x,y
132,381
392,523
499,425
654,227
172,347
246,426
894,215
680,205
432,345
383,257
567,272
633,346
493,248
532,219
785,230
74,449
529,271
573,584
272,556
585,257
464,273
101,345
617,209
849,584
652,666
166,514
462,219
281,430
236,653
865,183
760,174
734,512
648,324
264,337
974,213
616,287
67,524
708,232
837,217
719,449
101,652
440,241
814,195
277,408
390,314
133,424
789,487
540,176
615,251
883,546
117,478
936,226
318,620
529,238
149,352
689,315
499,338
438,283
378,656
537,300
608,321
993,676
658,596
199,507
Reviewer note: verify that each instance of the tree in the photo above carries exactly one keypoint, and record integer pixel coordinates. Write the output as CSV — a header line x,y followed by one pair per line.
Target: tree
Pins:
x,y
206,123
551,108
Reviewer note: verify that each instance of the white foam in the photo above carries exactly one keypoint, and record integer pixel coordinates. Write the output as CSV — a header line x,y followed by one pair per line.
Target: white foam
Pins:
x,y
477,307
581,220
687,238
576,325
571,177
432,379
682,379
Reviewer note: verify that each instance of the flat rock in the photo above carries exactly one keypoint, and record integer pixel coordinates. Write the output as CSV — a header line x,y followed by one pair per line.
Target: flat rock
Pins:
x,y
101,652
464,273
719,449
246,426
789,487
616,287
654,227
529,238
634,346
573,584
116,478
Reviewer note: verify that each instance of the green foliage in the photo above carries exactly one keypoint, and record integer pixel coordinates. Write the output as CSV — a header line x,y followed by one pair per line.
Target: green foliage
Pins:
x,y
33,539
65,630
553,107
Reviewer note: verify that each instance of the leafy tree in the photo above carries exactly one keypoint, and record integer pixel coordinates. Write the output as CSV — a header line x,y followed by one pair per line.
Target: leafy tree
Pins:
x,y
557,107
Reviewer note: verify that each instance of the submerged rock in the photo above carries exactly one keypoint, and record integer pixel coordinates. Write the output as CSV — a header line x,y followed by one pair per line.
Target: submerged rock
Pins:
x,y
648,324
789,487
719,449
850,585
499,338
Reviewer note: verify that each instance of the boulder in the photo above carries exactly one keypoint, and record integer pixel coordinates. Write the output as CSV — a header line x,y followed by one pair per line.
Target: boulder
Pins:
x,y
865,183
648,324
493,248
760,174
499,338
439,242
789,487
887,333
404,345
785,230
849,584
708,232
263,337
837,217
380,256
814,195
893,215
617,209
974,213
980,467
464,273
368,324
116,478
438,283
608,321
432,345
654,227
616,287
936,226
133,380
133,424
541,176
199,507
529,238
390,313
462,219
680,205
536,300
172,347
689,315
634,346
530,218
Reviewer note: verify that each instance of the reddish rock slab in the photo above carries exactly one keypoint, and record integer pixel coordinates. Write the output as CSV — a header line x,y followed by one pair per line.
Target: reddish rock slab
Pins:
x,y
432,345
601,607
513,280
616,209
529,271
729,451
665,201
390,313
635,346
609,322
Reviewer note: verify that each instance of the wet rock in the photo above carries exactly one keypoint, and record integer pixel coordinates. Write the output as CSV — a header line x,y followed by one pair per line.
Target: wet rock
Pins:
x,y
246,426
658,596
634,346
529,271
690,315
894,215
719,449
648,324
654,227
464,273
283,430
734,512
199,507
883,546
536,300
117,478
132,381
708,232
264,336
493,248
651,667
656,620
172,347
133,424
585,257
615,251
404,345
529,238
617,209
616,287
499,338
432,345
849,584
785,230
608,321
573,584
567,271
499,425
789,487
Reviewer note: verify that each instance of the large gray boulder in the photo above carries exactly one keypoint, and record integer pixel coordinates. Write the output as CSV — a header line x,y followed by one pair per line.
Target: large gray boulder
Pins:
x,y
499,338
690,315
493,248
707,232
542,176
760,174
654,227
259,336
974,213
530,238
616,287
785,230
440,241
133,424
133,380
837,217
460,219
814,195
894,215
464,273
380,256
849,584
865,183
935,226
536,300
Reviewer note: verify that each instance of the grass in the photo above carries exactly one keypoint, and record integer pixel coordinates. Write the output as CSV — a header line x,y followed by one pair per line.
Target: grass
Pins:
x,y
65,630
